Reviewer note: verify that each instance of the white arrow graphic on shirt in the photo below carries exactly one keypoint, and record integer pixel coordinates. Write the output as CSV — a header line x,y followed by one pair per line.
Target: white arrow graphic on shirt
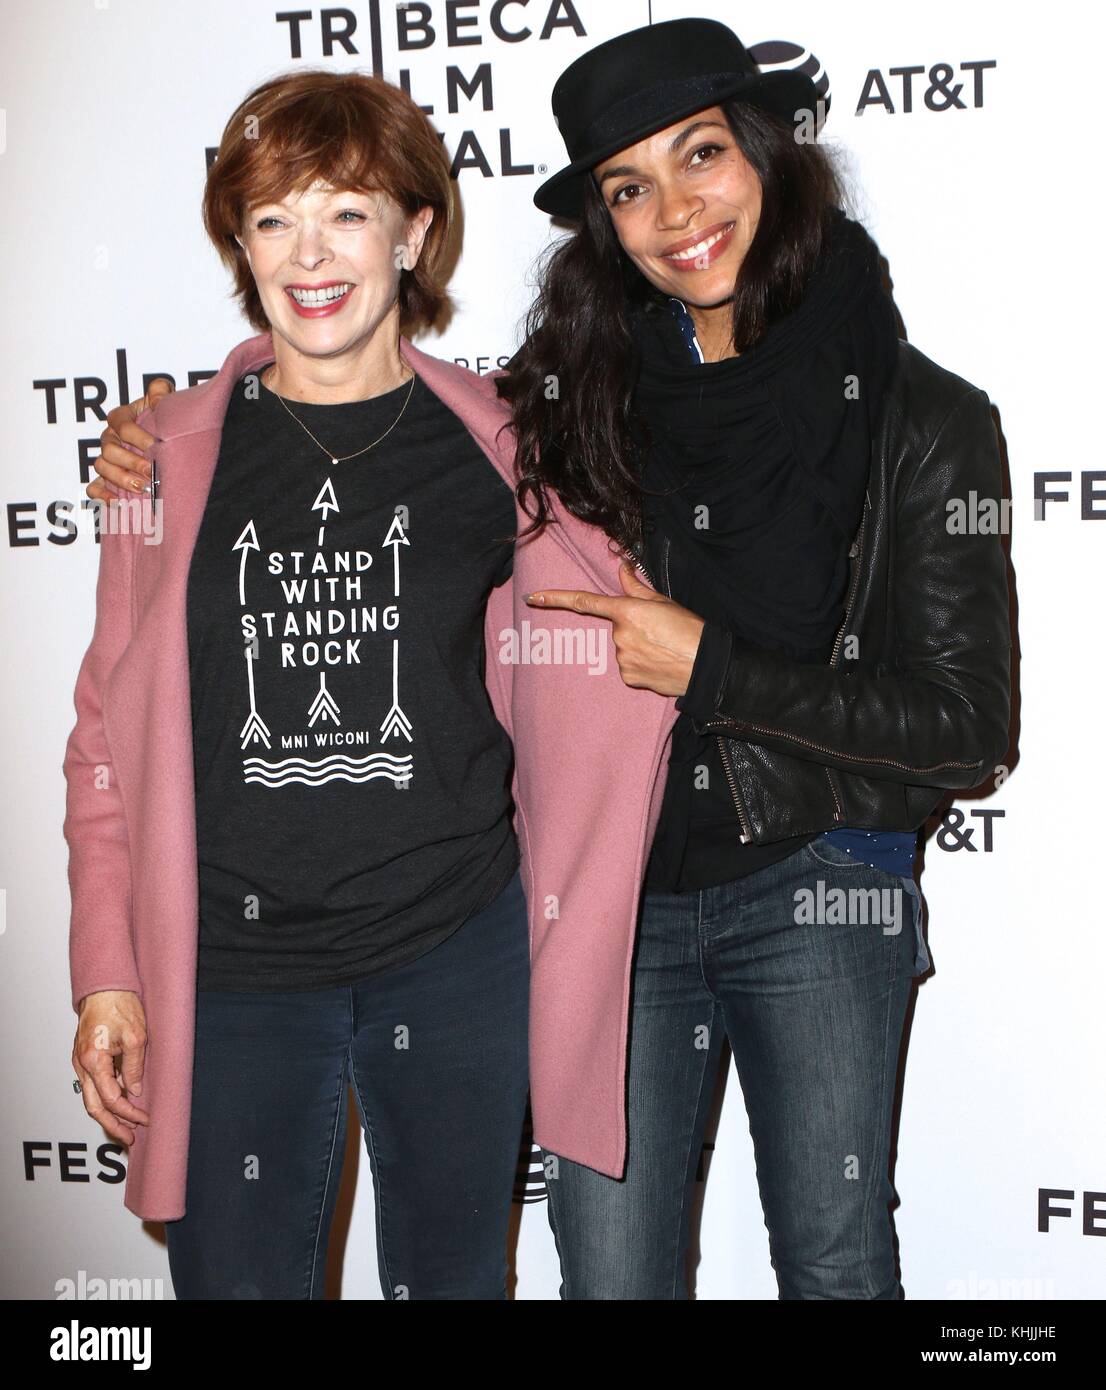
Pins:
x,y
246,542
395,538
396,721
254,729
324,705
326,503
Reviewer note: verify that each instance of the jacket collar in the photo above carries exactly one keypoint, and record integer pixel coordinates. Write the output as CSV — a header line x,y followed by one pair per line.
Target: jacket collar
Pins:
x,y
204,407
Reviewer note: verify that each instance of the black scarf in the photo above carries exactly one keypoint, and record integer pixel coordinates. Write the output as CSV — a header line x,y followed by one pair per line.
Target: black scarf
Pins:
x,y
775,445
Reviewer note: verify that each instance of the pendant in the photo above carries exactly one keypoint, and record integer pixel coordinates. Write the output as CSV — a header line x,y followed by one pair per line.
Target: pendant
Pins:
x,y
334,462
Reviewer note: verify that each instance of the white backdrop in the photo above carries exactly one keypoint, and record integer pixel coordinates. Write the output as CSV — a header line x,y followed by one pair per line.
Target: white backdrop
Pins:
x,y
988,216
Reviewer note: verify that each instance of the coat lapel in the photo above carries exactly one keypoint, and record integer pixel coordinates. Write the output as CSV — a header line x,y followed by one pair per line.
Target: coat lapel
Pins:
x,y
148,717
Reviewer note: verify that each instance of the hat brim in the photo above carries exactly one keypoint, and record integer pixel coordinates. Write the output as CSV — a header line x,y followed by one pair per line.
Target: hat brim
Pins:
x,y
781,93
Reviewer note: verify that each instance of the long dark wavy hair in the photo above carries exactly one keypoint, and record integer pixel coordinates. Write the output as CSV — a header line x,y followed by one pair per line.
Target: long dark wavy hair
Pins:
x,y
571,384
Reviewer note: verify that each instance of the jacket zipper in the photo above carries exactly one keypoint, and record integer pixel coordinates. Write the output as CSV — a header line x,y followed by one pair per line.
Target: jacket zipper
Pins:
x,y
821,748
854,555
639,563
746,829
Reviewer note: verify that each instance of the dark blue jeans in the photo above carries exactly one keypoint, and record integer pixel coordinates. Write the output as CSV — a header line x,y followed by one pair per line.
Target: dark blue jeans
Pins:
x,y
813,1011
437,1054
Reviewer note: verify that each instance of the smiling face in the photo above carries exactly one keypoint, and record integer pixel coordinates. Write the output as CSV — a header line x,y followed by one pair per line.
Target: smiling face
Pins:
x,y
684,204
327,264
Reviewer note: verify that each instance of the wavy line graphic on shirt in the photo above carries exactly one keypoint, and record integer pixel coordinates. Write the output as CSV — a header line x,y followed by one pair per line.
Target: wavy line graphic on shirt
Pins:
x,y
395,721
338,767
324,705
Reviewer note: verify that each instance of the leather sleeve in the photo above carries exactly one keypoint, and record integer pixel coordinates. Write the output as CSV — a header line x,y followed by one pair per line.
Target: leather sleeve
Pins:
x,y
941,716
711,659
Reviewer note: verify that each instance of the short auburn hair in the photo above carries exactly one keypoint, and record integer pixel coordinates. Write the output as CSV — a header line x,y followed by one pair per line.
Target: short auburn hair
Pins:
x,y
352,131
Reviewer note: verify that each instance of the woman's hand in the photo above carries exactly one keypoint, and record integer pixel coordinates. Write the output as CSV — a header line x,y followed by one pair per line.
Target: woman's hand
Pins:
x,y
655,640
119,464
111,1023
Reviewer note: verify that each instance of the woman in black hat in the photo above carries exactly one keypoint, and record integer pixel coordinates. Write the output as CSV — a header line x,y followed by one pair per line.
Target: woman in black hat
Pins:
x,y
735,408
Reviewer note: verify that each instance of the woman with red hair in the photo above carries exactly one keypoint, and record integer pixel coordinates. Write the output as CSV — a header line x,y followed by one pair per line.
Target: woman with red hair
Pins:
x,y
292,857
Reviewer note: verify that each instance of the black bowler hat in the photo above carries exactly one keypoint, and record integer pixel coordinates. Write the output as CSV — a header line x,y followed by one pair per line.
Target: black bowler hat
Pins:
x,y
637,83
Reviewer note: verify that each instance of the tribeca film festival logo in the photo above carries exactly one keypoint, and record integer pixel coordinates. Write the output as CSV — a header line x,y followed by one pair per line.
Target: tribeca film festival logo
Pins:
x,y
385,34
1052,1203
68,1161
83,400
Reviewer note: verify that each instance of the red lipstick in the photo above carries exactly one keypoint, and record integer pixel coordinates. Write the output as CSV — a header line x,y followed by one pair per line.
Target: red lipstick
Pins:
x,y
705,258
319,311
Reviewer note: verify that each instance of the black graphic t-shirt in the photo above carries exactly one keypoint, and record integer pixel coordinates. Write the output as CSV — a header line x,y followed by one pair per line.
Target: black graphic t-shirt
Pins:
x,y
352,781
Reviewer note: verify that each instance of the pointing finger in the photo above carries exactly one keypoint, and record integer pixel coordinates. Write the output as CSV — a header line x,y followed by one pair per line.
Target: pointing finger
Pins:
x,y
577,601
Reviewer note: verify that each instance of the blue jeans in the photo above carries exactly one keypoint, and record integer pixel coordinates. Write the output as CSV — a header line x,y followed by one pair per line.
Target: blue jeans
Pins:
x,y
437,1054
813,1011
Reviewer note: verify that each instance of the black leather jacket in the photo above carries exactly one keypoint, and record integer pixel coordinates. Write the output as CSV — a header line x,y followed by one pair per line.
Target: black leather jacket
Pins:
x,y
920,702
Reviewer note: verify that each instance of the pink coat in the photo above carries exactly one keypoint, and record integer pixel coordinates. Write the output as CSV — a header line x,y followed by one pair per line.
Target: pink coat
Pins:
x,y
589,776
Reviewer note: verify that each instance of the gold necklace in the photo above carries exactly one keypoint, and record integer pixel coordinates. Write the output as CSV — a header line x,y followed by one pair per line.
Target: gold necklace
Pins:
x,y
342,458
